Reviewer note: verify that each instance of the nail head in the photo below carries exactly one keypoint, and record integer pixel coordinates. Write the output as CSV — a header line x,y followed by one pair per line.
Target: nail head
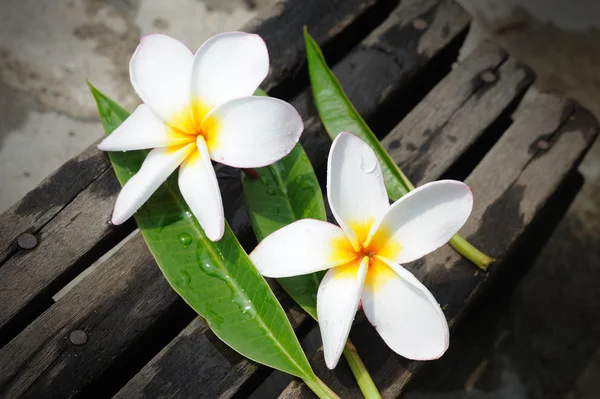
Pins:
x,y
27,241
78,337
488,77
420,24
543,144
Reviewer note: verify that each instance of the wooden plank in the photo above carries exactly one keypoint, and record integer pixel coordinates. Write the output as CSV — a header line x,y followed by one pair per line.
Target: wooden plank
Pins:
x,y
45,201
150,382
31,277
286,49
281,28
511,185
121,340
128,291
31,274
456,113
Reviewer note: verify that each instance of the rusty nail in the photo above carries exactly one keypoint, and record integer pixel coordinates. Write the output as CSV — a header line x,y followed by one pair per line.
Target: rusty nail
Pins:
x,y
543,144
78,337
488,77
27,241
420,24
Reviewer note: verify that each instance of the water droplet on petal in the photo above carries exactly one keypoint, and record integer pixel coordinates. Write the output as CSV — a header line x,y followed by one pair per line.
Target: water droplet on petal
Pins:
x,y
368,162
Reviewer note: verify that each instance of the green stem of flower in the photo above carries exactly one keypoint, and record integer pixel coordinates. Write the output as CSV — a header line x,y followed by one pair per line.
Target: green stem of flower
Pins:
x,y
320,389
467,250
461,245
363,378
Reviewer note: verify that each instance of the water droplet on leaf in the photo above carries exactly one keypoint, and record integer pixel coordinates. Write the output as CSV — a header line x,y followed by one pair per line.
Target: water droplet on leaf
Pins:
x,y
185,239
271,191
307,184
185,277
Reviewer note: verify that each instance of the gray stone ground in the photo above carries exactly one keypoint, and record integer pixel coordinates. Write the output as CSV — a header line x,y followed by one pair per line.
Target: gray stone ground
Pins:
x,y
541,340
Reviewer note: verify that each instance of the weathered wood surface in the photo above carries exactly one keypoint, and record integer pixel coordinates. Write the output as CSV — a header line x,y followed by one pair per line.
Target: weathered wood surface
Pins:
x,y
40,369
282,26
355,81
45,201
511,186
455,114
325,20
29,278
129,312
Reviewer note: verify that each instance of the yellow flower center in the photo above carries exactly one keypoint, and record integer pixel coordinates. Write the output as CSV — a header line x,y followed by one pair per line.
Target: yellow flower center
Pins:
x,y
189,123
379,246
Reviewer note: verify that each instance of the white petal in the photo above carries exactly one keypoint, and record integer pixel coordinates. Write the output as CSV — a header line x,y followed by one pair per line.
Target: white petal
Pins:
x,y
157,166
303,247
160,71
355,186
251,132
228,66
142,130
404,312
423,220
337,301
200,189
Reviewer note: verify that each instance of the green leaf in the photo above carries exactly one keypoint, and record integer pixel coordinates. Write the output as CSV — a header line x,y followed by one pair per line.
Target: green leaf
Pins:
x,y
339,115
217,279
283,193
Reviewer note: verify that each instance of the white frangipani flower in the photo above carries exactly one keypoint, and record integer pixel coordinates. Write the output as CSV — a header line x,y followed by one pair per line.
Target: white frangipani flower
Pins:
x,y
365,253
197,108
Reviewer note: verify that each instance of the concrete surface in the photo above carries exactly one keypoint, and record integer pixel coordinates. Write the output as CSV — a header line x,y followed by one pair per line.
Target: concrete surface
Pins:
x,y
49,48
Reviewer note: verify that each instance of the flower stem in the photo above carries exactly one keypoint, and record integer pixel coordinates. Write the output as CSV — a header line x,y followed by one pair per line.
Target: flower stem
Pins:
x,y
320,389
363,378
467,250
461,245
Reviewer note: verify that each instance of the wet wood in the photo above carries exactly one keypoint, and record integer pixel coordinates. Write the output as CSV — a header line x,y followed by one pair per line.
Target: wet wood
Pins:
x,y
511,186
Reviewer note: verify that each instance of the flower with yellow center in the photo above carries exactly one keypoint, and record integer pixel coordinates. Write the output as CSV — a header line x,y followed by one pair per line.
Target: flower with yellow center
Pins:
x,y
364,254
197,108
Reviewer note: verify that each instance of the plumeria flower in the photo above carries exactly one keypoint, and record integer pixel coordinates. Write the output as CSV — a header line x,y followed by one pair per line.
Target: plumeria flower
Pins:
x,y
364,254
199,107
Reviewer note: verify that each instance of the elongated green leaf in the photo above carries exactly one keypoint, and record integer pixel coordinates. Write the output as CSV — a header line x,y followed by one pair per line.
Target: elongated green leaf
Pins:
x,y
284,192
217,279
339,115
